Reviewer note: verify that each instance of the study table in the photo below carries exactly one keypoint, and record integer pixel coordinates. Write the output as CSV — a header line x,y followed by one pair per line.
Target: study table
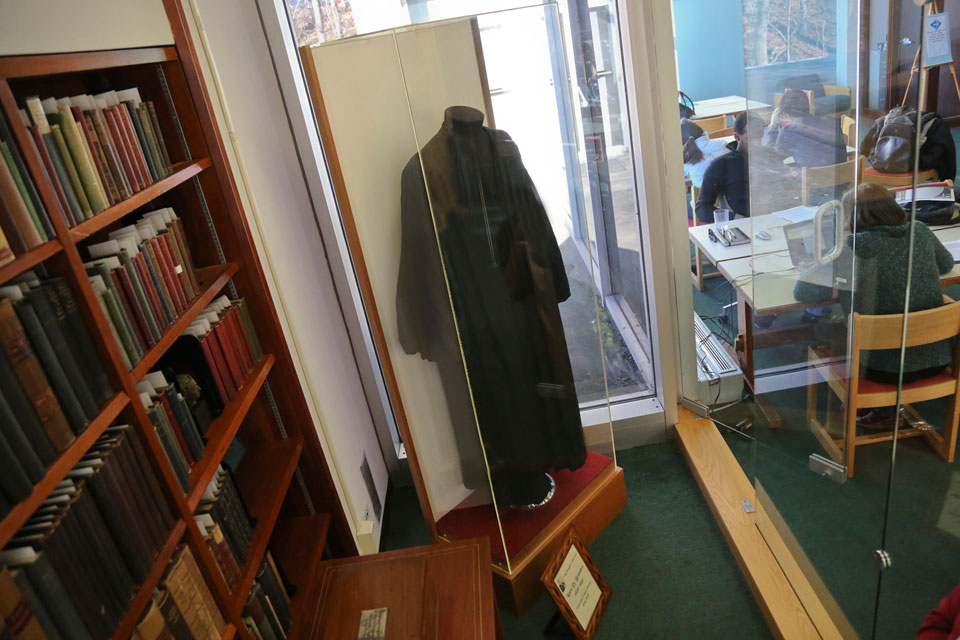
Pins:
x,y
725,106
763,277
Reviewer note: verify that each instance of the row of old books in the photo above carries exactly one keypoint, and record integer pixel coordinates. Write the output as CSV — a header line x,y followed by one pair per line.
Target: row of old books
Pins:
x,y
182,608
71,571
24,223
266,614
144,279
97,150
196,378
52,384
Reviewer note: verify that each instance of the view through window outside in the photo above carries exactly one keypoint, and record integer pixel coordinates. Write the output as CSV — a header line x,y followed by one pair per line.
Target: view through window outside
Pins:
x,y
777,31
586,179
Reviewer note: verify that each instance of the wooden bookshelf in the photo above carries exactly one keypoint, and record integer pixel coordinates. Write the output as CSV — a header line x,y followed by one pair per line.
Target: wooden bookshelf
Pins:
x,y
269,415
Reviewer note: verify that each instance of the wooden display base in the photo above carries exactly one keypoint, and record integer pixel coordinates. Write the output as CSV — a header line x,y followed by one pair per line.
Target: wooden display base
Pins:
x,y
590,512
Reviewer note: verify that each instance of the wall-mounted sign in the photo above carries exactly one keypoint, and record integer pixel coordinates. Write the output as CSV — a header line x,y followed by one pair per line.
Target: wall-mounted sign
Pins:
x,y
936,40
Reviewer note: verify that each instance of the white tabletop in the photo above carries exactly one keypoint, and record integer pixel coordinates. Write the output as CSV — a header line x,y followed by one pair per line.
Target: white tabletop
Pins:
x,y
717,253
766,281
725,106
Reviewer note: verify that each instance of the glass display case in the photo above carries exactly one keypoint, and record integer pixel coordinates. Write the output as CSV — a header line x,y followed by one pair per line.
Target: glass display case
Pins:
x,y
836,242
458,174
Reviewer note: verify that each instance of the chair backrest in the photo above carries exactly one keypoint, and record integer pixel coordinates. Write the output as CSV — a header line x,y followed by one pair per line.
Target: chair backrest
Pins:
x,y
923,327
712,124
898,179
721,133
848,126
830,176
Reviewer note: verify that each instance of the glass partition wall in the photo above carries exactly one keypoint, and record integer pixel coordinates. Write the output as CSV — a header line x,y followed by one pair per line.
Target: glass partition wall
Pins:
x,y
833,240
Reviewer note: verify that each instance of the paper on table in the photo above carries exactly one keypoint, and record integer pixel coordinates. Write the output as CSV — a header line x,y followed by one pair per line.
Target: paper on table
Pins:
x,y
797,214
954,248
937,193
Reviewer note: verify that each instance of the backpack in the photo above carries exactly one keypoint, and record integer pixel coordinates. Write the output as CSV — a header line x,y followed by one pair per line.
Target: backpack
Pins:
x,y
894,148
686,106
937,212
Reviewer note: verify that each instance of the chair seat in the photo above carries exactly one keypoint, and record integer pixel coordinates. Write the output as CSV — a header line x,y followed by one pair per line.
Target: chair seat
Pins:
x,y
869,386
874,172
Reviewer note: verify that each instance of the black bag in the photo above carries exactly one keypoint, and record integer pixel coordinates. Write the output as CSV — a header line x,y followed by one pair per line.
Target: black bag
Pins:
x,y
893,152
686,106
937,212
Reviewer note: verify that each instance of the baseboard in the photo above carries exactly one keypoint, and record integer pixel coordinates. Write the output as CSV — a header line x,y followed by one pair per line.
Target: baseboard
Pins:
x,y
725,488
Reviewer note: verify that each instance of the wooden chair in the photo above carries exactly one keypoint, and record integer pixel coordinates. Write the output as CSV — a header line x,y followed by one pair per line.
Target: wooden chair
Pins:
x,y
698,275
721,133
712,124
830,176
884,332
897,179
849,127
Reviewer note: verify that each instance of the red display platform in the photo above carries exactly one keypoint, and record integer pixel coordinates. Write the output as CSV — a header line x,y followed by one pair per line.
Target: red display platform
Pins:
x,y
520,526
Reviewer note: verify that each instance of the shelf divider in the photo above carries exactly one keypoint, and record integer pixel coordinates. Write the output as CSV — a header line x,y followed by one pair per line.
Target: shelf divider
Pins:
x,y
30,259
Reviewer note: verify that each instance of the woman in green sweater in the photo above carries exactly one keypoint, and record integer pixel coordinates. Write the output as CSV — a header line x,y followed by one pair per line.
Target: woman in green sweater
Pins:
x,y
881,245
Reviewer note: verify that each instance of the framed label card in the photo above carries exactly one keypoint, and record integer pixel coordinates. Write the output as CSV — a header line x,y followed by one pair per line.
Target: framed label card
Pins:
x,y
574,582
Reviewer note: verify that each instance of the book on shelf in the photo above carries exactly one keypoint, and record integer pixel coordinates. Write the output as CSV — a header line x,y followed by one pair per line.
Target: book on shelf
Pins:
x,y
52,384
24,221
145,278
96,150
185,601
97,535
222,506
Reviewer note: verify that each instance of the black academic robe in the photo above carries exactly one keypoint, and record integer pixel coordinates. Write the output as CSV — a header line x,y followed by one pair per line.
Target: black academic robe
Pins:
x,y
504,281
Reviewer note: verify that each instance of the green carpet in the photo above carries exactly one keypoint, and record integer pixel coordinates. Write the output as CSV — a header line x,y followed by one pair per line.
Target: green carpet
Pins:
x,y
669,567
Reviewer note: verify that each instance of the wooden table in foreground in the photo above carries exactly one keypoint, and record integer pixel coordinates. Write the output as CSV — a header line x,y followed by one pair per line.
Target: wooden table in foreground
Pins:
x,y
726,106
435,592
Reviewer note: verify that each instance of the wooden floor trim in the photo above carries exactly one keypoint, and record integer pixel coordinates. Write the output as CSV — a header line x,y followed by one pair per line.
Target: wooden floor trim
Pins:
x,y
725,487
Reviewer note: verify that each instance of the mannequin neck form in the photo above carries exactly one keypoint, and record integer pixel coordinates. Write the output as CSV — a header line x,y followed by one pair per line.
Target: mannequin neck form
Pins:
x,y
462,117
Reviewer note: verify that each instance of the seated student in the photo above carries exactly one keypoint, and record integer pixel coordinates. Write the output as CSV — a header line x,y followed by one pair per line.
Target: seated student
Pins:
x,y
726,175
881,246
698,151
813,141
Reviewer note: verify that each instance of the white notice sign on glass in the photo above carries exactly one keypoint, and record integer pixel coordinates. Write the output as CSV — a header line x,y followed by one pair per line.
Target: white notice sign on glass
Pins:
x,y
578,587
936,40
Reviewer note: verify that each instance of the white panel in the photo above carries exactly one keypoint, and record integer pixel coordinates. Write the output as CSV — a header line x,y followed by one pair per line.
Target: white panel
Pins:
x,y
56,26
366,102
291,247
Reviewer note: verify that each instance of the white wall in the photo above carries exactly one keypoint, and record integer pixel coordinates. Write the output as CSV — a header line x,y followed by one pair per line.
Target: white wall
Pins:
x,y
291,248
81,25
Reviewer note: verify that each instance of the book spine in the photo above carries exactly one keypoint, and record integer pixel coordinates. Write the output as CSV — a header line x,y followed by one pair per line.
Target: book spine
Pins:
x,y
176,267
136,286
46,354
53,174
17,208
107,315
139,455
132,475
15,611
150,292
52,323
133,498
32,380
136,151
186,259
110,152
81,160
151,142
24,413
14,482
175,428
81,338
123,149
170,449
158,280
152,626
31,190
99,158
174,618
74,176
216,347
225,337
52,593
10,230
22,189
12,432
183,270
158,132
184,422
130,308
169,277
65,549
6,252
214,369
87,147
109,506
141,141
210,606
128,339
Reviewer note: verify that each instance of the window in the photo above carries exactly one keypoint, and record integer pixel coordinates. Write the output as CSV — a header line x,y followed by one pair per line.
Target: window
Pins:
x,y
776,31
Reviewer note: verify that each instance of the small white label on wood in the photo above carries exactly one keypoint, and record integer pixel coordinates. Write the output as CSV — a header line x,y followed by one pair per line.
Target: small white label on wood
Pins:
x,y
578,587
373,624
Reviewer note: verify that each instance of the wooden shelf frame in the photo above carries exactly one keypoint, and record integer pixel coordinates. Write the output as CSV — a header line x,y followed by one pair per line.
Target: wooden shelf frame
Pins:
x,y
263,478
57,471
214,195
298,547
221,431
213,279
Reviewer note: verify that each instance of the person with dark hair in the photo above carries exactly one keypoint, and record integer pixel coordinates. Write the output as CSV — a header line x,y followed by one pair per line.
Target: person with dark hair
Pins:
x,y
726,176
813,141
698,151
880,246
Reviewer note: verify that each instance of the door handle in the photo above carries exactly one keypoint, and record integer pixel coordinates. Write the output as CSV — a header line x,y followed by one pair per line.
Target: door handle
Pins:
x,y
833,205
